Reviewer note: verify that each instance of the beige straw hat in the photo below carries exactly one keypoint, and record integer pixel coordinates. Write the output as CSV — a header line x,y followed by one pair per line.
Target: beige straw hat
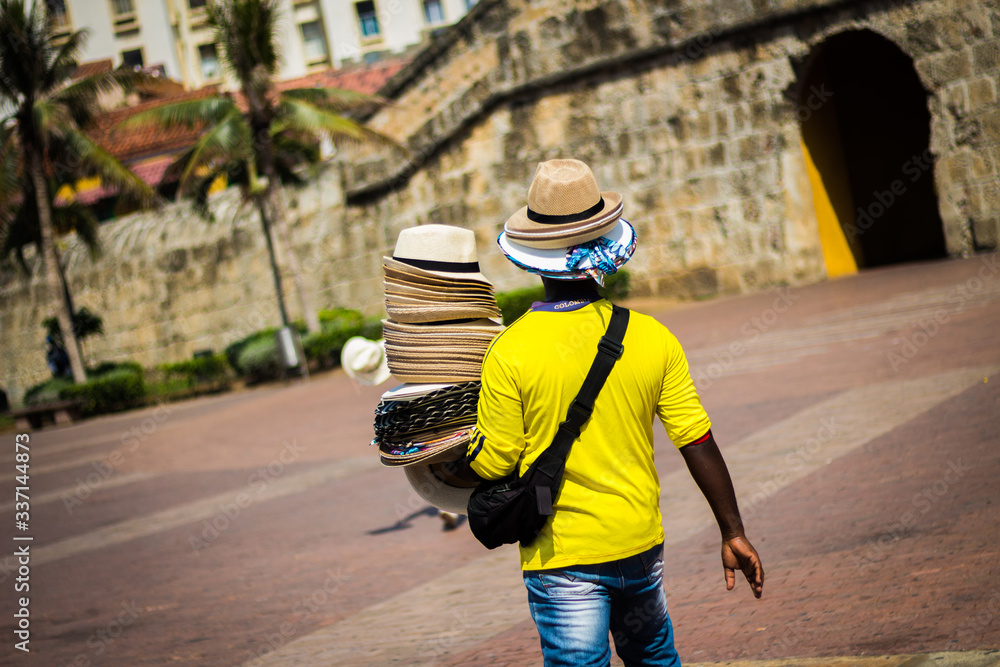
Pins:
x,y
565,207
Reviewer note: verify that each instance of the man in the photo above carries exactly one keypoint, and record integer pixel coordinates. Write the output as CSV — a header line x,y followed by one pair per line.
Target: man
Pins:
x,y
597,564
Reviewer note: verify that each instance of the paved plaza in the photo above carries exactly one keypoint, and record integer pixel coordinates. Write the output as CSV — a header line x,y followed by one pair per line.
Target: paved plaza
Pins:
x,y
860,419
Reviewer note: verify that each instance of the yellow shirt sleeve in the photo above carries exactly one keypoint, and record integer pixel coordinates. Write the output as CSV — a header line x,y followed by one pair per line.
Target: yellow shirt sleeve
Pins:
x,y
679,406
498,439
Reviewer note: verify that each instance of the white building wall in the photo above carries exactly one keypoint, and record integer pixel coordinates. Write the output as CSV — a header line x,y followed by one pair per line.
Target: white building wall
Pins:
x,y
168,33
153,36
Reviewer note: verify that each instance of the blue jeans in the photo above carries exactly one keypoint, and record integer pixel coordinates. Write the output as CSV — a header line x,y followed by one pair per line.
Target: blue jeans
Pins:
x,y
575,607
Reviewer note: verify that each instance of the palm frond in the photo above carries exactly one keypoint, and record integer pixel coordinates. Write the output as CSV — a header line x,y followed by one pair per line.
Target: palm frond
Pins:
x,y
10,169
247,34
50,117
113,173
65,60
188,114
301,116
225,142
82,97
80,219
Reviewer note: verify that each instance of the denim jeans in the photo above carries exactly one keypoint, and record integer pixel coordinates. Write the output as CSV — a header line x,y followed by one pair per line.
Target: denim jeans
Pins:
x,y
575,607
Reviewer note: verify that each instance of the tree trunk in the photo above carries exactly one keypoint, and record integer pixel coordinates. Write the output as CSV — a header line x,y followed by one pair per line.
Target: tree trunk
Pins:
x,y
275,273
57,288
260,124
302,291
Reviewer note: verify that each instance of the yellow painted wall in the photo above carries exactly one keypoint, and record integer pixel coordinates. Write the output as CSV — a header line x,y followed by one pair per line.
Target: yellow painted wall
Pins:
x,y
836,251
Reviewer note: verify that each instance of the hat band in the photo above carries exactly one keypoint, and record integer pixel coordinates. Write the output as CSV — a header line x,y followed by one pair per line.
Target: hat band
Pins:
x,y
563,219
432,265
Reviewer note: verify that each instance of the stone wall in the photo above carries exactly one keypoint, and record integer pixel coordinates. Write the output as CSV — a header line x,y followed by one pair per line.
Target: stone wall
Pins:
x,y
690,109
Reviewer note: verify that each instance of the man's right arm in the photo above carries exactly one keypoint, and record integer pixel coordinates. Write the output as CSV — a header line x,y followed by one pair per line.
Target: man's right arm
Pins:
x,y
708,468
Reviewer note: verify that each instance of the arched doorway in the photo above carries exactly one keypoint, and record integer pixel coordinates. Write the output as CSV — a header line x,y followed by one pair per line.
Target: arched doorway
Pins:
x,y
866,133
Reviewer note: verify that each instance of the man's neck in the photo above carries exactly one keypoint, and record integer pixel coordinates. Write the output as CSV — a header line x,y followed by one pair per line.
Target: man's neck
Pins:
x,y
570,290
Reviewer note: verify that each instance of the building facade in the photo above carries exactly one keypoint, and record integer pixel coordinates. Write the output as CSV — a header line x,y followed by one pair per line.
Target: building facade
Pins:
x,y
172,36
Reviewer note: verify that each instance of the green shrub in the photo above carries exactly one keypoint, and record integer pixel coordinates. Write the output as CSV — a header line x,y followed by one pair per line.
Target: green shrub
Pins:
x,y
234,349
46,392
371,328
338,325
200,370
118,389
106,367
516,303
337,318
324,347
260,359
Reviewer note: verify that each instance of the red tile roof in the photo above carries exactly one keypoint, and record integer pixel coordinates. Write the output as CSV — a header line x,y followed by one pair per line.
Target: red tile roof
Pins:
x,y
366,79
134,143
94,67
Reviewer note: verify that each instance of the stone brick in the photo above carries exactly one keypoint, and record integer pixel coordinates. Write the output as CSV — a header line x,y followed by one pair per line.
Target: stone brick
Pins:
x,y
951,67
982,92
986,57
986,233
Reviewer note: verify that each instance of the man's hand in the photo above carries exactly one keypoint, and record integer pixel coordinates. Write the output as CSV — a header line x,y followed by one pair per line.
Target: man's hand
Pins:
x,y
739,554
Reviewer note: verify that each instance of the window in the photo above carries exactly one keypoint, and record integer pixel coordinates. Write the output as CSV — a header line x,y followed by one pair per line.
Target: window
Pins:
x,y
209,61
196,4
367,18
123,16
315,42
469,4
122,7
132,59
57,10
433,12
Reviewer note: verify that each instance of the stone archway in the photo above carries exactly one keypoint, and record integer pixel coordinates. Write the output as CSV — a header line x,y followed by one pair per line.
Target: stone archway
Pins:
x,y
866,132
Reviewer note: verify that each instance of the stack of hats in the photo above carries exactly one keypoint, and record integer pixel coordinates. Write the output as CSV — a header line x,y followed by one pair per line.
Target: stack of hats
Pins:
x,y
443,315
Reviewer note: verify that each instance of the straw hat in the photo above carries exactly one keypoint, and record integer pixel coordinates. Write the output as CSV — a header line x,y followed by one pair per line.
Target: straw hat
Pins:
x,y
365,360
433,369
416,310
438,252
437,486
565,208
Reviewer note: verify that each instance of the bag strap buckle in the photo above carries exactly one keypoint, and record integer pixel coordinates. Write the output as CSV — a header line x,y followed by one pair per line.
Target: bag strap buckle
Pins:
x,y
610,347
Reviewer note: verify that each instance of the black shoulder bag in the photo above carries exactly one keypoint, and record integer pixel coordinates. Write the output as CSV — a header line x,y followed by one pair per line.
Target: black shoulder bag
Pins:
x,y
515,509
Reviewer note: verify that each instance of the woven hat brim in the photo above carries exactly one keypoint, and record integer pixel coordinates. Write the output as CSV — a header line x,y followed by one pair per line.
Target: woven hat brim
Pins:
x,y
408,392
421,375
447,276
437,493
553,261
415,314
540,235
479,326
399,281
425,297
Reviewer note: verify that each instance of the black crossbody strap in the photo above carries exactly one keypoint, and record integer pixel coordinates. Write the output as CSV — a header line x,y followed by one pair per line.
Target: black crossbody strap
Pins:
x,y
553,459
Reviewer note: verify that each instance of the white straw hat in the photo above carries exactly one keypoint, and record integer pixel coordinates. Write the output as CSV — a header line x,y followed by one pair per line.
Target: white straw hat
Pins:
x,y
437,251
365,360
433,489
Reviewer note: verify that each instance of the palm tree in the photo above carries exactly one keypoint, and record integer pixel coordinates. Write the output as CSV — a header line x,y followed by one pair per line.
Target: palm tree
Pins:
x,y
258,137
48,114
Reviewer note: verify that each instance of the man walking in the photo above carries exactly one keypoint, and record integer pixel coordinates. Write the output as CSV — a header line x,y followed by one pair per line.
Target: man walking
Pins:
x,y
597,564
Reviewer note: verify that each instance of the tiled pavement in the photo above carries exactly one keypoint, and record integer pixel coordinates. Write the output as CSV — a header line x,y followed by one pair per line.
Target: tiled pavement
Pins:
x,y
860,418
